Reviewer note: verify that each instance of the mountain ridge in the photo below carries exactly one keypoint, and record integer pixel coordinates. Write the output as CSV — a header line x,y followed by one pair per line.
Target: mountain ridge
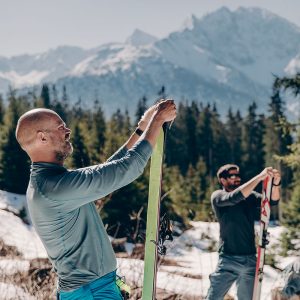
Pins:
x,y
226,57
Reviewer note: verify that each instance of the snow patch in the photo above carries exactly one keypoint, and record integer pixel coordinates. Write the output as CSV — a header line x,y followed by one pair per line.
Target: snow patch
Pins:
x,y
14,232
12,292
12,266
12,202
293,66
21,80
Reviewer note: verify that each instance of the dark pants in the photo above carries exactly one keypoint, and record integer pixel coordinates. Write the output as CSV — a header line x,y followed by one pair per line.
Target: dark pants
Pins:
x,y
231,268
104,288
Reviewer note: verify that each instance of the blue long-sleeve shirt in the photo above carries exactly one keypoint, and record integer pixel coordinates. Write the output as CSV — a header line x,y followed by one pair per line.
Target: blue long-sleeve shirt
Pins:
x,y
62,209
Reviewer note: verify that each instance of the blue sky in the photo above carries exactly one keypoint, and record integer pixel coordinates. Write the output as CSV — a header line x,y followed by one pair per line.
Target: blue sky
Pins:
x,y
33,26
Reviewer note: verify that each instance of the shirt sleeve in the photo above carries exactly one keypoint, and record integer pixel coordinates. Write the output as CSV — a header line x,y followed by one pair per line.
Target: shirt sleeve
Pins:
x,y
118,154
223,198
257,198
73,189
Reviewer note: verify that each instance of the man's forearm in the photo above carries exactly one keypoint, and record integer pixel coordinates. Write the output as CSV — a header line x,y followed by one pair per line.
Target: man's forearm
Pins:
x,y
249,186
275,193
153,129
132,140
152,121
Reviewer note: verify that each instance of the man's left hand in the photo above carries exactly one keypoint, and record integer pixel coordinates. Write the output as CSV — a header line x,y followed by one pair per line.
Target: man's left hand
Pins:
x,y
146,117
276,177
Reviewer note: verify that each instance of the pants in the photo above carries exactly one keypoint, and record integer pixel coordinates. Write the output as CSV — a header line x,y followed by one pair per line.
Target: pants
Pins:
x,y
231,268
104,288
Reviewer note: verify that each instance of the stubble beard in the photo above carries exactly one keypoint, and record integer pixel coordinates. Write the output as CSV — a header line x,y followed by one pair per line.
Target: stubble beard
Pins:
x,y
62,155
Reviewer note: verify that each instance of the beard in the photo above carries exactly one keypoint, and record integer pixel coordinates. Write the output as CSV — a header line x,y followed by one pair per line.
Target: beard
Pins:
x,y
235,185
66,151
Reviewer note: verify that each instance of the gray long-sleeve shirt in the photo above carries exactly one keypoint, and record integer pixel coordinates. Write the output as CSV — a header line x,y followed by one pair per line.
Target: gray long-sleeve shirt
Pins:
x,y
236,215
61,207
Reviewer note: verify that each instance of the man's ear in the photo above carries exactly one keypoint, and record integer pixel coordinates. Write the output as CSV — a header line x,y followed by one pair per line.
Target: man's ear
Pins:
x,y
222,181
42,137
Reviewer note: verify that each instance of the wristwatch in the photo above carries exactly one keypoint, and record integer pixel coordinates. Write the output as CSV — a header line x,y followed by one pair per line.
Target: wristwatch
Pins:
x,y
139,131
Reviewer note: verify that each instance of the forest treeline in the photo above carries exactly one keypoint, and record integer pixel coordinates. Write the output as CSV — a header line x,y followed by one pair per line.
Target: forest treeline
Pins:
x,y
198,143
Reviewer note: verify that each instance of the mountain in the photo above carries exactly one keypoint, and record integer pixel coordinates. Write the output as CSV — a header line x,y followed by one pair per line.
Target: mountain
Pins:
x,y
226,57
293,66
140,38
28,70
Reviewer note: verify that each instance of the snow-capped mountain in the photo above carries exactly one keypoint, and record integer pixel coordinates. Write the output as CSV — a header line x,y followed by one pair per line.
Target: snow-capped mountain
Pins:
x,y
226,57
28,70
140,38
293,66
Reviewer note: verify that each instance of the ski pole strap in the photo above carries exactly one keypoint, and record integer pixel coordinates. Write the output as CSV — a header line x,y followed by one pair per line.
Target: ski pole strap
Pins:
x,y
124,288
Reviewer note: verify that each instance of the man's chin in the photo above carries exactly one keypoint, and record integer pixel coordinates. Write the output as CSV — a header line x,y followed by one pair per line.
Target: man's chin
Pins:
x,y
234,186
70,151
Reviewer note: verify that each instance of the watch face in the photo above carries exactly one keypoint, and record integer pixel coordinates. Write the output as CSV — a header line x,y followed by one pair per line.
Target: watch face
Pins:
x,y
139,131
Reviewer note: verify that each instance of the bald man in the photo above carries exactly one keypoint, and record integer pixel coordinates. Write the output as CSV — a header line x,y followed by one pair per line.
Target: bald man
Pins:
x,y
61,201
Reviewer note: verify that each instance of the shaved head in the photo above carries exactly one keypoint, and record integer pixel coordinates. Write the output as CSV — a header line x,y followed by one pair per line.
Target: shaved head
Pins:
x,y
30,123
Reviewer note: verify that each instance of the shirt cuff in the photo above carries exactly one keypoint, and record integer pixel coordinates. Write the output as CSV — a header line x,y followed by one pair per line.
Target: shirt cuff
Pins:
x,y
274,203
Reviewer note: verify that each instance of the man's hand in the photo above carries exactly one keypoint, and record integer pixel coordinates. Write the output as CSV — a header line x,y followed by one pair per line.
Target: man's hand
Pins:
x,y
273,173
265,173
165,111
146,117
276,177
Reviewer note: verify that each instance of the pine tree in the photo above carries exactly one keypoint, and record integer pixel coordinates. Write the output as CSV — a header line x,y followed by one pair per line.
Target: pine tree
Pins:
x,y
220,145
97,134
44,100
177,150
59,106
2,110
80,156
114,133
234,137
141,108
277,139
212,141
290,208
162,93
253,146
14,167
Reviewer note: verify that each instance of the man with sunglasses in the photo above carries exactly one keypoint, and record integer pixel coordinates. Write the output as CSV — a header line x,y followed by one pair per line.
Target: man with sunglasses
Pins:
x,y
235,207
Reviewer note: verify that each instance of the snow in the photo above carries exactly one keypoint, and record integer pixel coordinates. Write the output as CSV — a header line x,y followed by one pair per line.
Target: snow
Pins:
x,y
14,232
20,80
293,66
193,253
193,260
12,292
12,266
244,42
12,202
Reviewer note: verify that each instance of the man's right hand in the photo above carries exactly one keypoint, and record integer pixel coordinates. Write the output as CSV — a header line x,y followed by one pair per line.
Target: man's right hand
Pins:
x,y
165,111
269,171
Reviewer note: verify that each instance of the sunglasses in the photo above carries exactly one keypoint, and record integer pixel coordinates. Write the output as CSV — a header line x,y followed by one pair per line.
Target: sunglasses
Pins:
x,y
231,176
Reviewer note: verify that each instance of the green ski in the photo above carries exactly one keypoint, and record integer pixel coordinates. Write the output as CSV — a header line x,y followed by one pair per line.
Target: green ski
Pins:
x,y
153,219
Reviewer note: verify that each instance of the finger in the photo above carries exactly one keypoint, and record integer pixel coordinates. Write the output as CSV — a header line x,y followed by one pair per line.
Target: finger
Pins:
x,y
170,100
